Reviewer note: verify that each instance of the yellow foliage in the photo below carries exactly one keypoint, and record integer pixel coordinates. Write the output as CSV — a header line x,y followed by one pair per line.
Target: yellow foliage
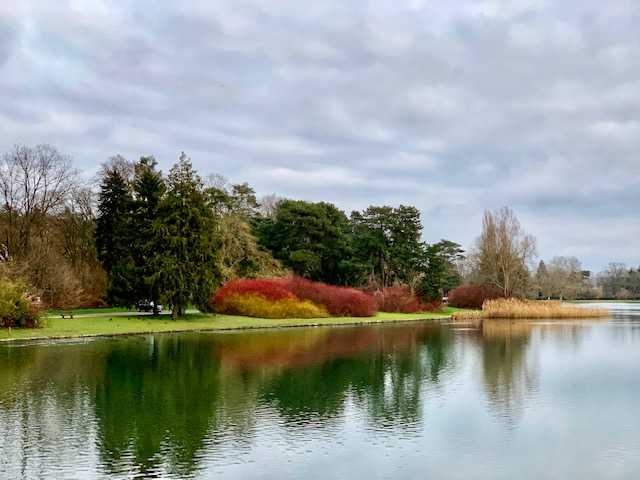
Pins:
x,y
515,308
252,305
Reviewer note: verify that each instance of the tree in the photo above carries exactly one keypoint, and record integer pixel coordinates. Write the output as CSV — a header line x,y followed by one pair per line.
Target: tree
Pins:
x,y
77,225
185,264
440,273
310,238
563,277
502,253
148,192
115,236
35,182
387,244
613,279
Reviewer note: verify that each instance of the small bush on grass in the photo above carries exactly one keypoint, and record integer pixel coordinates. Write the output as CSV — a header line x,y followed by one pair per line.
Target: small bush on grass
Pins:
x,y
255,305
472,296
16,308
267,288
338,301
397,299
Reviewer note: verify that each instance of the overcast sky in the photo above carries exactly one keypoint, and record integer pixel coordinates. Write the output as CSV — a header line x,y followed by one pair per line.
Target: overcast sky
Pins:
x,y
452,107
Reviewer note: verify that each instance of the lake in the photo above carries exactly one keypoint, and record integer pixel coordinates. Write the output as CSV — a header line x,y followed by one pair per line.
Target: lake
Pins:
x,y
501,400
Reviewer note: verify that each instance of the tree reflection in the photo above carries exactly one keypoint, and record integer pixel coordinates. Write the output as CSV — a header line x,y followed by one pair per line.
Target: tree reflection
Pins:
x,y
509,376
154,404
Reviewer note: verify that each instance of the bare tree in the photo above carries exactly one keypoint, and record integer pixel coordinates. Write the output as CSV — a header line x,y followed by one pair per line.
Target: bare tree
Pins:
x,y
35,182
563,277
503,252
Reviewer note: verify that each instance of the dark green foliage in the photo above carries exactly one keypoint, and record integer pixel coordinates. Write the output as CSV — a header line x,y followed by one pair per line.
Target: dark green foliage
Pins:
x,y
440,274
387,244
149,190
310,238
114,237
184,266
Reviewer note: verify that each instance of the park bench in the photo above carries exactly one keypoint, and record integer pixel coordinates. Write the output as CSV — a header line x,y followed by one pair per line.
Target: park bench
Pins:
x,y
66,314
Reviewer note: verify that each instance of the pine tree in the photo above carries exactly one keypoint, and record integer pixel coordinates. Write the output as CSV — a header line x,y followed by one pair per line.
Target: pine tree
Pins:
x,y
114,236
185,264
149,190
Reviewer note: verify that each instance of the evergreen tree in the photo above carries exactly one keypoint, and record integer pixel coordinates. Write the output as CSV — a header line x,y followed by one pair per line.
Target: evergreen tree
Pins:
x,y
114,236
440,273
387,244
310,238
148,189
185,265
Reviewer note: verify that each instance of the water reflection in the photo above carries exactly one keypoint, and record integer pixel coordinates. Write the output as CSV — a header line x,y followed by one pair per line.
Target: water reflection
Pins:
x,y
156,402
195,405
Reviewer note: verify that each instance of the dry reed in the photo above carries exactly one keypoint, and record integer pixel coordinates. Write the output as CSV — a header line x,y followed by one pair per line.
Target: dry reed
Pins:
x,y
466,315
533,309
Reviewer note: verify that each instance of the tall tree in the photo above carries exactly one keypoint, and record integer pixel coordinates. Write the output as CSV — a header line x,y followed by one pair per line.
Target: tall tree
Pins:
x,y
440,272
563,277
240,254
503,252
310,238
387,243
35,182
115,235
185,265
148,192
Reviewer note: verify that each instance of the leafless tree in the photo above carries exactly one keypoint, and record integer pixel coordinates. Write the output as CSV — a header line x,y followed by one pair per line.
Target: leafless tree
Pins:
x,y
35,182
563,277
503,252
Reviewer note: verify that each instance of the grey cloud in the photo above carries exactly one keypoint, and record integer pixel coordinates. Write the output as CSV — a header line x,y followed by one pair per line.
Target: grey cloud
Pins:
x,y
452,108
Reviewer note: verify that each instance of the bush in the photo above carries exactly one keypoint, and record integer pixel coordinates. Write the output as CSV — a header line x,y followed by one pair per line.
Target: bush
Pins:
x,y
338,301
256,305
472,296
400,299
267,288
16,308
432,306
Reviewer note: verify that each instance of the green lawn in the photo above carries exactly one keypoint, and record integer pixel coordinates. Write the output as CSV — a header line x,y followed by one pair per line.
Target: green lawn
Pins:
x,y
139,324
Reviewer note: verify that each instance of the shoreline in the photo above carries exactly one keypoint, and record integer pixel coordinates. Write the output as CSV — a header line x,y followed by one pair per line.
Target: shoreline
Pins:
x,y
124,326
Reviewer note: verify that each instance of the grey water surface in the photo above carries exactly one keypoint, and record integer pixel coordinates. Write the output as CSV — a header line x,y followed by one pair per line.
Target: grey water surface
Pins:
x,y
425,400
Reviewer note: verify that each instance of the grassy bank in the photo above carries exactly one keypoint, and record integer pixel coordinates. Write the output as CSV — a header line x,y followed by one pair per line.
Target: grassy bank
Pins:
x,y
143,324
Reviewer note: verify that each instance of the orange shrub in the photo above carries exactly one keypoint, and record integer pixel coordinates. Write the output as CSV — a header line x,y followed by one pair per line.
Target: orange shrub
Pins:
x,y
255,305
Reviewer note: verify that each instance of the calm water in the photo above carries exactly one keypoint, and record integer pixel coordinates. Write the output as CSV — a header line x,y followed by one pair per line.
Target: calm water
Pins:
x,y
524,400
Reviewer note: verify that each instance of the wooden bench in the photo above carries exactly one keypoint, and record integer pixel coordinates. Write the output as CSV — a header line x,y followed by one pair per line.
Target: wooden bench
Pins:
x,y
66,314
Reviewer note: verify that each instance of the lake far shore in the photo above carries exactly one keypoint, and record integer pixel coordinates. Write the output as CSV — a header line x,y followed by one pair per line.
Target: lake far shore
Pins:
x,y
116,325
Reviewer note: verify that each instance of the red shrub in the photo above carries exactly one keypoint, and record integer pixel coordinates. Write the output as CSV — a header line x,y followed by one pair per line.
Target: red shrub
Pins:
x,y
472,296
432,306
267,288
398,299
339,301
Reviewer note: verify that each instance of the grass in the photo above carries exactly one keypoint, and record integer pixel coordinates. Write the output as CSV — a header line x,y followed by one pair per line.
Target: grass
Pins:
x,y
512,308
145,324
86,311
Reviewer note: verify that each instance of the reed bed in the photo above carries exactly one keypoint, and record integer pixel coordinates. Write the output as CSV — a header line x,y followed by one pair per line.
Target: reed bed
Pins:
x,y
513,308
466,315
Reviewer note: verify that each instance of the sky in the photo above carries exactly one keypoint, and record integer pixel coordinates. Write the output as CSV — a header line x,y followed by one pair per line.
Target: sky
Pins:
x,y
452,107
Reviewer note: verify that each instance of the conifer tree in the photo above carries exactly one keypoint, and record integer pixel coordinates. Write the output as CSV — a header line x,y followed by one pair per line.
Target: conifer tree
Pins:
x,y
185,264
114,237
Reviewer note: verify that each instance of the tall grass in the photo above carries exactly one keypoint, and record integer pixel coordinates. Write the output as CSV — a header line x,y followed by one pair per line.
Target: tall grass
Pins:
x,y
514,308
